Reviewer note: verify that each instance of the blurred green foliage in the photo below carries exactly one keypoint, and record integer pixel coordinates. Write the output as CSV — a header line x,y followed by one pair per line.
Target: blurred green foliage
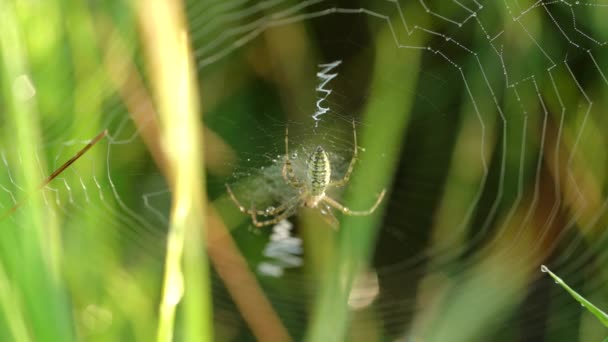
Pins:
x,y
483,121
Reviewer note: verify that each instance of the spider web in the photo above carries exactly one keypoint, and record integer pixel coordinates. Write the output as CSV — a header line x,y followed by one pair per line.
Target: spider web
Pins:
x,y
500,166
504,115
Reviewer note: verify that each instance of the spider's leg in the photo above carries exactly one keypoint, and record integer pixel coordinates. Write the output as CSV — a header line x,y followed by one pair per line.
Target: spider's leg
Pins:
x,y
240,206
281,212
351,166
288,174
347,211
285,206
329,217
285,214
273,211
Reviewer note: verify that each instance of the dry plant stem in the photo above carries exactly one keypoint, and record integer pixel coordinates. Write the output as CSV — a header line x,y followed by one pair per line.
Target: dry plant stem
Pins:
x,y
59,170
230,264
74,158
128,83
223,253
244,289
172,74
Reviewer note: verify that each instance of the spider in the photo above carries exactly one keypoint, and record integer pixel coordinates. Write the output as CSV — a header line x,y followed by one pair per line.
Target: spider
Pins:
x,y
311,191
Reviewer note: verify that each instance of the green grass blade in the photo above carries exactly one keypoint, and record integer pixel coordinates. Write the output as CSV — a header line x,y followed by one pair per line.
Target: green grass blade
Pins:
x,y
30,242
386,118
599,314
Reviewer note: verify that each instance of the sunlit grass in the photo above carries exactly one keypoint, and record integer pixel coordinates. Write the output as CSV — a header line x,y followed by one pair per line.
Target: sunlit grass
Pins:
x,y
186,279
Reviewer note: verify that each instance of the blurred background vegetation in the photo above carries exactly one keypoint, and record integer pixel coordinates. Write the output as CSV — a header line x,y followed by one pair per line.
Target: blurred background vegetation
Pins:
x,y
484,121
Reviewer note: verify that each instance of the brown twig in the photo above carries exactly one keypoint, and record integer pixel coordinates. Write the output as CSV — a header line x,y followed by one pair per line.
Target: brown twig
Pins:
x,y
58,171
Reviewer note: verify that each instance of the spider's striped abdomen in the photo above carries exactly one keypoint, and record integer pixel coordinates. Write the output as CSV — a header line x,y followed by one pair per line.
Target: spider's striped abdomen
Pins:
x,y
319,172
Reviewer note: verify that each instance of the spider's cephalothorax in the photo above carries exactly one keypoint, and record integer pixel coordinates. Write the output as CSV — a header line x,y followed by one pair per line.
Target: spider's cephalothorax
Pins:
x,y
318,176
311,191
